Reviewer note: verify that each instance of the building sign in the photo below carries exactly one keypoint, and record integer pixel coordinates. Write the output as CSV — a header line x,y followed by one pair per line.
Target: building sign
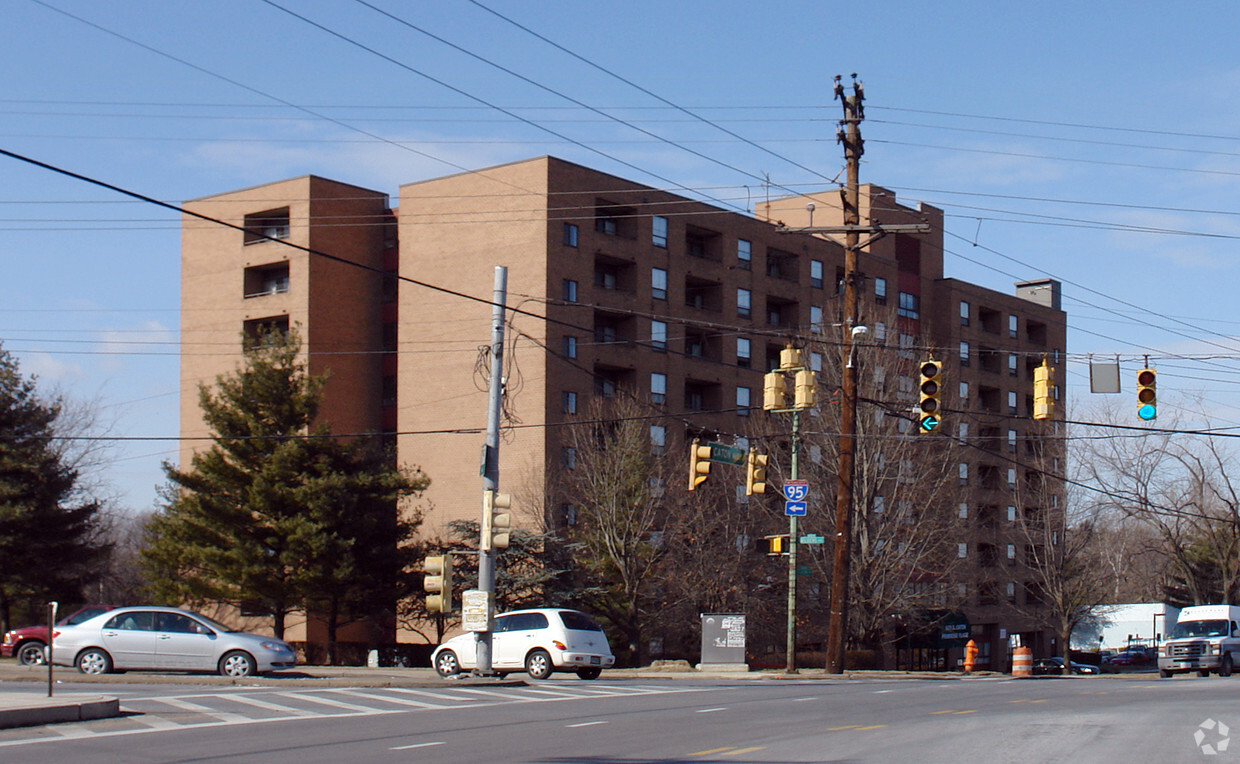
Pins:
x,y
954,631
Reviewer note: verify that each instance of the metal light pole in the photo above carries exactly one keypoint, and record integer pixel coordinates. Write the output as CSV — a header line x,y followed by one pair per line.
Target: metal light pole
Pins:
x,y
490,457
791,662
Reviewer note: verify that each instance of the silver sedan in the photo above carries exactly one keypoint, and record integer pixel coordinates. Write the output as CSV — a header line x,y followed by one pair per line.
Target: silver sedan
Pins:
x,y
166,638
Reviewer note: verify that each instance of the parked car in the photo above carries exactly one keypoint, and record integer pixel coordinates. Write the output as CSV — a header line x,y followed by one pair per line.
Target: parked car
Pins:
x,y
29,643
539,641
166,638
1128,659
1054,666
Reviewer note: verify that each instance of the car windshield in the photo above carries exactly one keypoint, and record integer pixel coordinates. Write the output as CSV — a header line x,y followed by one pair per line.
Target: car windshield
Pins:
x,y
578,621
1199,629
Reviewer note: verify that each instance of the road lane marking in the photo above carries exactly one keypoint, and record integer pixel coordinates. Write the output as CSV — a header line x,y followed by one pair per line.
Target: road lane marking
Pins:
x,y
712,750
948,711
711,710
880,692
415,745
1043,700
1022,700
872,727
971,711
802,700
740,751
584,724
845,727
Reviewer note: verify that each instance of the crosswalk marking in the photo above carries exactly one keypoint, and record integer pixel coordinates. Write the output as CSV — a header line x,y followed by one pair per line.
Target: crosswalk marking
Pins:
x,y
314,698
268,705
198,708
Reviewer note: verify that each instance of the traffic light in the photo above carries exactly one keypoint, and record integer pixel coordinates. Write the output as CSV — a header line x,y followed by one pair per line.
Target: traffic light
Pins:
x,y
775,545
437,582
774,391
789,358
806,389
1147,396
931,410
755,473
1043,400
699,466
496,520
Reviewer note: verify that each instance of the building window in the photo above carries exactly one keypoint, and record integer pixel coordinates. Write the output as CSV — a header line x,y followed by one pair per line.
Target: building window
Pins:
x,y
742,352
963,471
570,234
1011,551
880,331
964,393
569,457
962,551
909,306
263,280
742,302
658,438
962,432
906,345
964,313
262,226
570,290
815,319
1011,510
1012,441
880,291
1012,325
815,274
815,364
658,335
1011,477
658,387
963,510
744,254
265,331
1012,370
1011,401
658,283
569,403
964,354
659,235
570,346
742,401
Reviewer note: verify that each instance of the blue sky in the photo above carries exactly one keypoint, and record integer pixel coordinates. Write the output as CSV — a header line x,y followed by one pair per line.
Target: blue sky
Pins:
x,y
1097,143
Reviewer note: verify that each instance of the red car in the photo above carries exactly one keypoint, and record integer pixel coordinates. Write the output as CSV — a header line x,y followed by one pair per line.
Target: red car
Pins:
x,y
29,643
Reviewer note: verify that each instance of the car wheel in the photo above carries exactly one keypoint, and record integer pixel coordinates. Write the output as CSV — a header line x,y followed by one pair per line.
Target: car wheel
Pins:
x,y
32,654
94,661
589,673
236,664
446,664
1165,674
1203,672
538,664
1224,668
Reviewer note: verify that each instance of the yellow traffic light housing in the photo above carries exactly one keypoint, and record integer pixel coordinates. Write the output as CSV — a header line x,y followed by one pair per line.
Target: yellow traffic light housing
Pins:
x,y
755,473
437,582
789,358
930,388
1147,394
496,520
806,389
699,466
774,391
1043,389
775,545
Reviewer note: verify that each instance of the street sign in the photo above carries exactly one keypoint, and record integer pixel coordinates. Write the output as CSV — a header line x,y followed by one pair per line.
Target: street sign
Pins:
x,y
812,538
794,508
796,490
726,454
475,610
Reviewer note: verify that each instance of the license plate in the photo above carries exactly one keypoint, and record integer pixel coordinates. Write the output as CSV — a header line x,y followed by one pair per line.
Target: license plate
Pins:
x,y
594,659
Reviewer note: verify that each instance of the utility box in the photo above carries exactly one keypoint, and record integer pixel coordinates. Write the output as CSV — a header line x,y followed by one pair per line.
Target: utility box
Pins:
x,y
723,642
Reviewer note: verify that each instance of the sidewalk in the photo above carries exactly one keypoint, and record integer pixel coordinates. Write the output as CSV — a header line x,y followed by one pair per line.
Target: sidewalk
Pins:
x,y
24,701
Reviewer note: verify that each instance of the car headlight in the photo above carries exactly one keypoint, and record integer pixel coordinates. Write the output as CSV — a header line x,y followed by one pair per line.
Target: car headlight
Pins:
x,y
276,647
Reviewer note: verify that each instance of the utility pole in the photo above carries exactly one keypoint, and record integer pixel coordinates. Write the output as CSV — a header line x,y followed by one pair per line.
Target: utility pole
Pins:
x,y
490,459
849,135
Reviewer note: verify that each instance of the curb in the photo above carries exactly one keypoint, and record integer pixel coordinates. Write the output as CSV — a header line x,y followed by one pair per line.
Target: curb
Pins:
x,y
21,711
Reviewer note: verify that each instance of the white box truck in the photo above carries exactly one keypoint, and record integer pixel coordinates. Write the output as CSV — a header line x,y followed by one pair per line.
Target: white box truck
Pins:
x,y
1205,638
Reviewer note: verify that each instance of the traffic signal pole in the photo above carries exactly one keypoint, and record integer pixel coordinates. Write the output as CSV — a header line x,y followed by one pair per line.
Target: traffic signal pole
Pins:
x,y
791,649
490,458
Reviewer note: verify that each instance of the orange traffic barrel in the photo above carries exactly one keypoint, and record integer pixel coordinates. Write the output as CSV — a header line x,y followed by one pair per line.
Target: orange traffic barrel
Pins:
x,y
1022,662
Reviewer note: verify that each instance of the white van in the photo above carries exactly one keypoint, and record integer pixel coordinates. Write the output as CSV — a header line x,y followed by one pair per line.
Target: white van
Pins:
x,y
1204,639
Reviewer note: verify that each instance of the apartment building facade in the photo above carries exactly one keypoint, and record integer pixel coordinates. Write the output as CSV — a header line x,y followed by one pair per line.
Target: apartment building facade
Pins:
x,y
612,285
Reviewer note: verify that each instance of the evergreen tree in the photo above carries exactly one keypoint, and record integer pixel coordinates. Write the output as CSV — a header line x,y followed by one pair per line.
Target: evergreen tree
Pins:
x,y
277,513
48,537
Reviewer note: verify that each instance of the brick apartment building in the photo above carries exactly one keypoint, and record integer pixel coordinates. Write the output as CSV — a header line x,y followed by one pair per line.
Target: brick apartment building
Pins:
x,y
684,303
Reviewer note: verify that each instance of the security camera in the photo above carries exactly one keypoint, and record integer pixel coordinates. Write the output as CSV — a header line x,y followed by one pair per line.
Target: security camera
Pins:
x,y
810,206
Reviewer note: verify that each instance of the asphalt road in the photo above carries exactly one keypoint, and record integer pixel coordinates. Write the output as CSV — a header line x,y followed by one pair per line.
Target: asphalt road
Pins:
x,y
1078,719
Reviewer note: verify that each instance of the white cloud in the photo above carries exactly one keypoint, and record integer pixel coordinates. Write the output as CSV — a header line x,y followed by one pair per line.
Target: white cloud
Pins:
x,y
147,337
